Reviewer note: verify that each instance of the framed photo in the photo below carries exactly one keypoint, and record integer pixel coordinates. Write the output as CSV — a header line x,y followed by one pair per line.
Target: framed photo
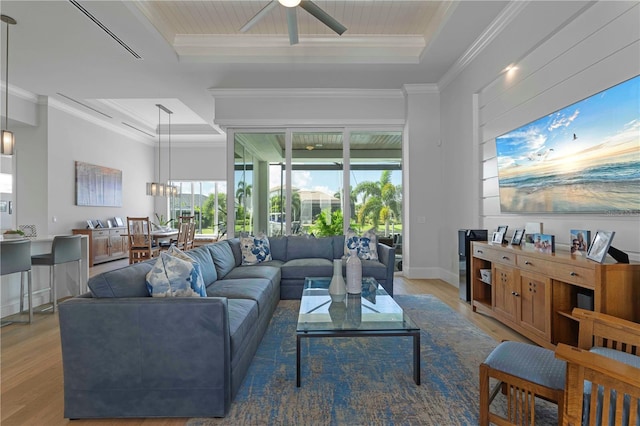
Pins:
x,y
544,243
90,224
497,237
99,224
118,221
518,234
109,223
600,245
580,240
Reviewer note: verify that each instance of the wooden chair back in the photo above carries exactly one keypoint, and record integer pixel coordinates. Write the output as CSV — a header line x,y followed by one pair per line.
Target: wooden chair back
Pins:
x,y
141,244
615,385
191,235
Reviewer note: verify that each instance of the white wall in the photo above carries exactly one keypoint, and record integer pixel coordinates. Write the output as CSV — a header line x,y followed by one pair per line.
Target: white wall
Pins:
x,y
596,50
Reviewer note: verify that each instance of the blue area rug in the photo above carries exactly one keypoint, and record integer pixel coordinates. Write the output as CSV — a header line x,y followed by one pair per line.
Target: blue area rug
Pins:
x,y
366,381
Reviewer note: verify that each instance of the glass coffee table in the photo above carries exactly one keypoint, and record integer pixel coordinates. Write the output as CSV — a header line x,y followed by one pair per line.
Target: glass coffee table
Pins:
x,y
371,313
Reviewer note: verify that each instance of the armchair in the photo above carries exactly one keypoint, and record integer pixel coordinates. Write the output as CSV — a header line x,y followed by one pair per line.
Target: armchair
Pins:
x,y
608,359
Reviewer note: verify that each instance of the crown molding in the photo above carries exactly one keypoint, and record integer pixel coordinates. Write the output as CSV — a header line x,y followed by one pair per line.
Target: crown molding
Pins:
x,y
508,14
20,93
420,89
306,93
276,49
64,107
306,123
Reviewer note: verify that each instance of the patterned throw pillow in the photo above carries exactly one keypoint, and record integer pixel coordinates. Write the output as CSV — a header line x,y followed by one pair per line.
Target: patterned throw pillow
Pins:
x,y
255,249
366,245
198,283
173,276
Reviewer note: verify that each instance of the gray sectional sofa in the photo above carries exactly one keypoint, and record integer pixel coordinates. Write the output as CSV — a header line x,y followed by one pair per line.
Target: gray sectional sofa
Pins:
x,y
126,354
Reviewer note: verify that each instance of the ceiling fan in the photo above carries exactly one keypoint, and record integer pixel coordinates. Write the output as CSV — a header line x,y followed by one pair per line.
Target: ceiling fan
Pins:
x,y
292,19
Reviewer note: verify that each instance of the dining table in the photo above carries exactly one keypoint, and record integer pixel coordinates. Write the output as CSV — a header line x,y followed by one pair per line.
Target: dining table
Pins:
x,y
163,234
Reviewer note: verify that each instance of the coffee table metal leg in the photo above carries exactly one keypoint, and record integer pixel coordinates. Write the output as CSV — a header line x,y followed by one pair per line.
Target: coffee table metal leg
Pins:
x,y
416,358
298,361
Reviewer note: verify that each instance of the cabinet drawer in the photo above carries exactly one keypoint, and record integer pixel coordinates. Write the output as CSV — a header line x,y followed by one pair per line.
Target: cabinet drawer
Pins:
x,y
100,234
116,232
573,274
535,265
492,255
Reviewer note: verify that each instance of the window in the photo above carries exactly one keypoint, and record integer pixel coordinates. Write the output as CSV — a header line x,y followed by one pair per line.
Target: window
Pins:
x,y
206,201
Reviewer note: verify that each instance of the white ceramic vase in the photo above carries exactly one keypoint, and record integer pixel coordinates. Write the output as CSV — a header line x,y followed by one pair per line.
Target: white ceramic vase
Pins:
x,y
354,273
337,288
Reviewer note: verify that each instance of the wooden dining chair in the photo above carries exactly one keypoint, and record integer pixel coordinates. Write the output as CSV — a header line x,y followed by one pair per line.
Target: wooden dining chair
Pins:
x,y
180,240
191,231
141,244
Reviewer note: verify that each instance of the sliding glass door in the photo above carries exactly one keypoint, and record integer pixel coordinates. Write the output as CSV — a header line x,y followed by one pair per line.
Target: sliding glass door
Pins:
x,y
293,181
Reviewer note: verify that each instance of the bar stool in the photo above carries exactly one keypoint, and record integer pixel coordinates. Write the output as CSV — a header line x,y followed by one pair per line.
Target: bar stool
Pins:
x,y
64,249
15,256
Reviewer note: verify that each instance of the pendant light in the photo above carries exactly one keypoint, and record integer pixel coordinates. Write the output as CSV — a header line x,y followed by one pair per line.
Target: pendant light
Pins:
x,y
158,188
7,141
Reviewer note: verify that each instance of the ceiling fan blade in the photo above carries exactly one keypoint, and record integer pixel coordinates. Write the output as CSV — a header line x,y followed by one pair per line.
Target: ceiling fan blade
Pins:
x,y
258,16
292,23
323,16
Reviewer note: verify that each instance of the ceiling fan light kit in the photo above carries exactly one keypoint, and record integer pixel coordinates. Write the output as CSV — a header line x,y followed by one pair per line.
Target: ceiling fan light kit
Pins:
x,y
289,3
292,20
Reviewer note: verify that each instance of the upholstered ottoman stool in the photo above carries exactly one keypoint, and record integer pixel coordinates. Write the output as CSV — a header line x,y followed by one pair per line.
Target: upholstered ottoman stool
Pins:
x,y
524,372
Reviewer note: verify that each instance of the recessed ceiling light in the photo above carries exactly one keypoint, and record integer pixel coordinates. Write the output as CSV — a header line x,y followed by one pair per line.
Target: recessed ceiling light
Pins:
x,y
310,147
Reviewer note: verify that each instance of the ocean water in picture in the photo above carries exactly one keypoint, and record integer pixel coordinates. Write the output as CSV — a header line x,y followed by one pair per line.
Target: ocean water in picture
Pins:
x,y
584,158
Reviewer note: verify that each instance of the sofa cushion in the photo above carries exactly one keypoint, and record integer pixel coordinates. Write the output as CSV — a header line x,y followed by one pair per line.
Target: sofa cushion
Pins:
x,y
129,281
269,271
312,267
243,316
257,289
278,248
223,258
309,247
174,276
375,269
255,249
338,246
234,243
202,255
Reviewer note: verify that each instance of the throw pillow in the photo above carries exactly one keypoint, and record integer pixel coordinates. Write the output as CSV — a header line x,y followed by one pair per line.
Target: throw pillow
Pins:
x,y
197,284
255,249
366,245
172,277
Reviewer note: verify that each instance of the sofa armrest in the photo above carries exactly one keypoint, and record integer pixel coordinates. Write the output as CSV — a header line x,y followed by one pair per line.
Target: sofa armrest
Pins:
x,y
387,256
145,357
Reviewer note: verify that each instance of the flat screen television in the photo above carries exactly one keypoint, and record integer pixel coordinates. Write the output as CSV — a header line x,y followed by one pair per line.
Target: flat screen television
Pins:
x,y
584,158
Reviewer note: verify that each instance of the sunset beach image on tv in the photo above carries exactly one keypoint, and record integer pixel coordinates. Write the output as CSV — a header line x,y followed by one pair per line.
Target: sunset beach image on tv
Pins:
x,y
584,158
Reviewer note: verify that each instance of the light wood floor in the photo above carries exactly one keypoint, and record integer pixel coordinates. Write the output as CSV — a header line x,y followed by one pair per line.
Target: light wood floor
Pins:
x,y
31,363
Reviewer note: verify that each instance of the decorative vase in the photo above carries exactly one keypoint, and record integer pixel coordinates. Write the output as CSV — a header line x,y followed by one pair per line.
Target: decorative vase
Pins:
x,y
337,288
354,273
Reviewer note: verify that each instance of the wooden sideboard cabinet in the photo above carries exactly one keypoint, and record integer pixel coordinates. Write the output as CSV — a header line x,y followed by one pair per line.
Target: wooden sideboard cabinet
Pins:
x,y
534,293
106,244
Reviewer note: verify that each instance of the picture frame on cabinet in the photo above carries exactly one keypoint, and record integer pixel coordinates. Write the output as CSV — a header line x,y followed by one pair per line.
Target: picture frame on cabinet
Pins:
x,y
109,223
90,224
544,243
580,239
600,245
497,237
118,221
99,223
518,234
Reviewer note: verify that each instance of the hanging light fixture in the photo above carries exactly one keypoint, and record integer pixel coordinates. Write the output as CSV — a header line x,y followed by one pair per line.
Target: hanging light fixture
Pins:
x,y
7,142
160,189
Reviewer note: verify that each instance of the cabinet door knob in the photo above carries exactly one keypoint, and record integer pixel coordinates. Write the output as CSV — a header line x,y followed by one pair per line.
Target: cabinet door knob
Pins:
x,y
515,293
505,257
573,274
528,263
479,251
